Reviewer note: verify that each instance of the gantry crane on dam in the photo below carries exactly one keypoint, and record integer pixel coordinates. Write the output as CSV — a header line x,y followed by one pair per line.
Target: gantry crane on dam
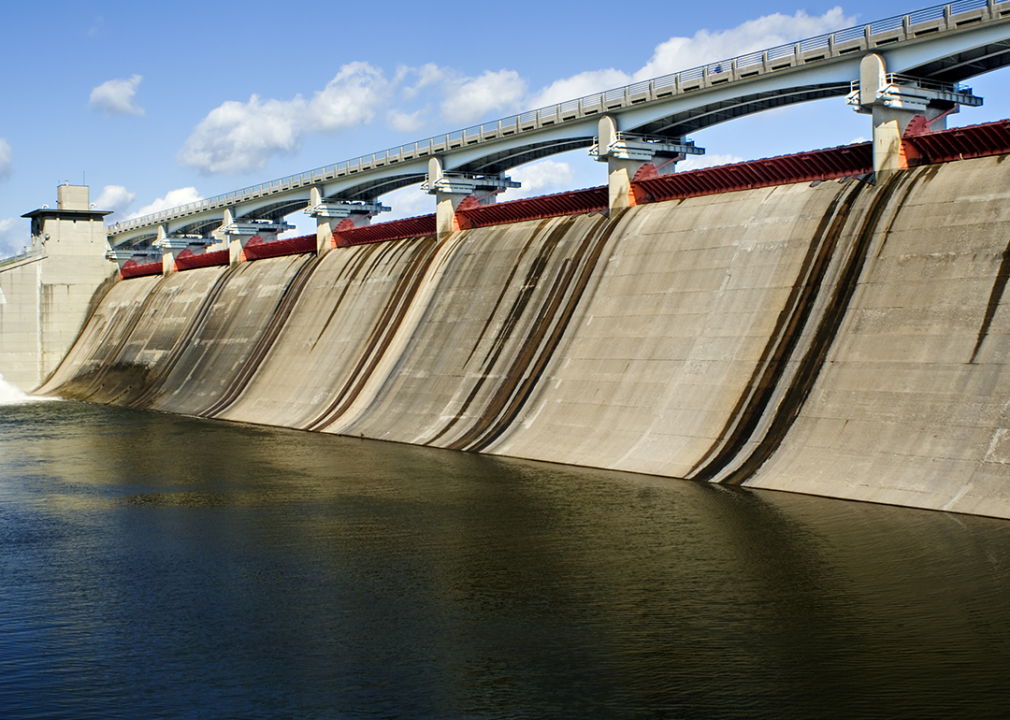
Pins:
x,y
892,69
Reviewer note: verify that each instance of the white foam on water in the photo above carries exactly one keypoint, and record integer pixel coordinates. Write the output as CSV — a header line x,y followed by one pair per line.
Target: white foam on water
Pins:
x,y
10,395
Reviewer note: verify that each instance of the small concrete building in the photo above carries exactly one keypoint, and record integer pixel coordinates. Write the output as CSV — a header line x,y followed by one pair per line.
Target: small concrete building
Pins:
x,y
45,292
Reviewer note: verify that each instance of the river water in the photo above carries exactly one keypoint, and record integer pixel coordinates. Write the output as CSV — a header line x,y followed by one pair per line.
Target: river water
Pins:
x,y
154,566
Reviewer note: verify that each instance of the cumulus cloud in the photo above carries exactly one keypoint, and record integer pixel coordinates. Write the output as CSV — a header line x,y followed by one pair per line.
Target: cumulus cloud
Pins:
x,y
681,53
463,99
405,122
115,97
241,137
173,198
540,178
466,100
115,198
351,98
427,75
13,236
6,165
407,202
469,99
580,85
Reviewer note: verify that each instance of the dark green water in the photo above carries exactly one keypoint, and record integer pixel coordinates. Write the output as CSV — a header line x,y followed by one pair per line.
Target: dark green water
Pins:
x,y
162,567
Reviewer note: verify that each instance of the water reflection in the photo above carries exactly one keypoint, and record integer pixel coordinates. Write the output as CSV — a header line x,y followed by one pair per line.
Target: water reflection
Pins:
x,y
164,566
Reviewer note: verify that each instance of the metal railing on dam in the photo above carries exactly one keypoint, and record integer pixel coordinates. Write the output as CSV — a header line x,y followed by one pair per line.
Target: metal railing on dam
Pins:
x,y
29,255
530,128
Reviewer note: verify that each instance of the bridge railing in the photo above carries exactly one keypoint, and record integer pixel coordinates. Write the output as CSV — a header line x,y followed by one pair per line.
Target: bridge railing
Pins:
x,y
939,18
954,91
33,253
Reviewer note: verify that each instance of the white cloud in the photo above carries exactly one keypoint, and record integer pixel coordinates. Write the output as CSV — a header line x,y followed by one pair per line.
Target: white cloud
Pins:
x,y
115,97
681,53
6,165
13,236
173,198
115,198
406,202
351,98
427,75
471,98
540,178
405,122
580,85
240,137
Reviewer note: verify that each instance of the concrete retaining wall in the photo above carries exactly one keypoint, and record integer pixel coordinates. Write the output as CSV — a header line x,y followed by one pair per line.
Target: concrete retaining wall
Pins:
x,y
837,339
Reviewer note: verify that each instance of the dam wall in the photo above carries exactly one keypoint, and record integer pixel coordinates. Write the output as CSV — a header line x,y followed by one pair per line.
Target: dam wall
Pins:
x,y
834,338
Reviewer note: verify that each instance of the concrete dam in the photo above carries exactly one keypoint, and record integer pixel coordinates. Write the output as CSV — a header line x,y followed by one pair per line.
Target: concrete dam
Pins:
x,y
834,338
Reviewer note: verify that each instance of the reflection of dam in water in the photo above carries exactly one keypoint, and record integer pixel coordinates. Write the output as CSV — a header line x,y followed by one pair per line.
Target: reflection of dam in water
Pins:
x,y
838,339
226,570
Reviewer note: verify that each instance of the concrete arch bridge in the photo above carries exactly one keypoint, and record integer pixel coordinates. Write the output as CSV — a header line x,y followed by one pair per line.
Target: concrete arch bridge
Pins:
x,y
893,70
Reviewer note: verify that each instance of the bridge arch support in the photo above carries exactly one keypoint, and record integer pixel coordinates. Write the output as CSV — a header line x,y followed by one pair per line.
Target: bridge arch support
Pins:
x,y
893,102
629,156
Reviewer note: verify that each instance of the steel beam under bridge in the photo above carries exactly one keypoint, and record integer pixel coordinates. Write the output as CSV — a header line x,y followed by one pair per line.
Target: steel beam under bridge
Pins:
x,y
947,43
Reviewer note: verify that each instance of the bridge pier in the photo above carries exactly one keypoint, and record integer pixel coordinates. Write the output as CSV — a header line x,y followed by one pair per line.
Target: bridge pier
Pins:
x,y
627,155
236,240
889,154
170,248
893,101
237,232
329,214
451,188
446,203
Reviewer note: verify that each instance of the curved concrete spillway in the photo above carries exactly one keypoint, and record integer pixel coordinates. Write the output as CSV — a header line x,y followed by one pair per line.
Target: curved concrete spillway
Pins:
x,y
835,338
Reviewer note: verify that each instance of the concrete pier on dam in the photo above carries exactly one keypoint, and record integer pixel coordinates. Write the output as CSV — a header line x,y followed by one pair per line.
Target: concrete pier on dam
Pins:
x,y
835,338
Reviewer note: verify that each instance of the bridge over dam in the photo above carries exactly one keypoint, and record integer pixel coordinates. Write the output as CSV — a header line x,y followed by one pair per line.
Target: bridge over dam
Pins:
x,y
893,70
836,338
823,323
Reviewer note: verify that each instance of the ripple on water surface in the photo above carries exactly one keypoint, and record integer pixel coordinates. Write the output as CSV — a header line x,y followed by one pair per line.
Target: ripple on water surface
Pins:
x,y
158,566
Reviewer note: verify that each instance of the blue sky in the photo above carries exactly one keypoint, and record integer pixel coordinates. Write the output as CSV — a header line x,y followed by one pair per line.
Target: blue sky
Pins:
x,y
156,105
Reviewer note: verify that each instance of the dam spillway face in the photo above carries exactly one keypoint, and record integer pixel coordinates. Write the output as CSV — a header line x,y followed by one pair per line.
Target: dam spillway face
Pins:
x,y
837,339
